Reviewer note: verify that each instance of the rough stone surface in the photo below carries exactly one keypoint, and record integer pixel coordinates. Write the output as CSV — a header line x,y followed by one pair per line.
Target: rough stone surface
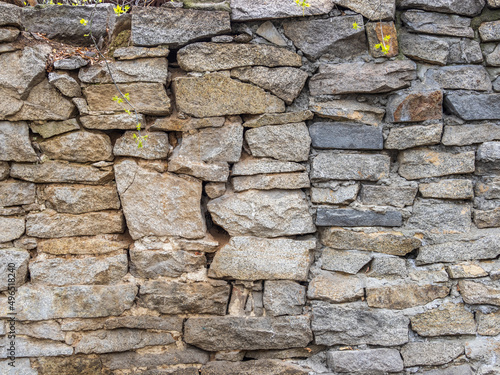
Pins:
x,y
447,189
440,217
335,288
156,146
437,23
248,333
448,319
11,15
329,166
20,259
254,166
461,77
70,63
13,228
487,218
368,78
284,297
341,195
252,258
288,142
480,292
347,110
244,10
465,8
287,181
430,353
488,324
490,31
344,261
383,10
14,193
218,95
67,85
15,144
4,170
388,195
404,296
325,135
413,136
277,118
462,135
51,128
111,122
270,213
224,56
133,52
186,124
268,31
354,218
378,33
365,361
466,270
8,34
414,106
263,367
489,152
470,106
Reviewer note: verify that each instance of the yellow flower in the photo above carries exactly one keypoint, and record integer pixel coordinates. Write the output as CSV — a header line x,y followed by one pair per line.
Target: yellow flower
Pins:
x,y
355,26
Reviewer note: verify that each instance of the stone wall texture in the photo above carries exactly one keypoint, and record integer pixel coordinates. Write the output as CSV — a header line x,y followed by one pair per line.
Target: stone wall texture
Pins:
x,y
303,204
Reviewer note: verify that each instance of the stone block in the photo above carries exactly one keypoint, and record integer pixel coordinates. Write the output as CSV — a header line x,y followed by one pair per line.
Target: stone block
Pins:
x,y
49,129
335,288
284,297
413,136
10,16
354,218
14,265
430,353
440,217
365,361
404,296
383,10
71,365
342,195
487,218
28,347
465,8
462,135
388,195
483,292
376,32
287,181
448,319
347,110
460,77
330,166
13,228
15,143
414,106
470,106
156,146
268,31
110,122
133,52
245,10
350,262
490,31
387,267
255,166
14,193
418,21
447,189
254,121
101,244
466,270
488,324
262,367
325,135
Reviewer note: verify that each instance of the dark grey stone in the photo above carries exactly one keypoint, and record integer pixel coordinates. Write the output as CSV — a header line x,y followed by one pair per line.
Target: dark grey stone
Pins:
x,y
472,106
437,23
461,77
353,218
346,136
462,7
10,15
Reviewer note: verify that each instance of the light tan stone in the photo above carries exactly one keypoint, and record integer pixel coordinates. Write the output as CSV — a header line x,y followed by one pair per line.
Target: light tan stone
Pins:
x,y
287,181
405,295
335,288
101,244
347,110
448,319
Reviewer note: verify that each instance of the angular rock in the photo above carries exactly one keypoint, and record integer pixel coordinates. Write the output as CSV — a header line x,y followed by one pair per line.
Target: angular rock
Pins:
x,y
332,36
353,324
79,146
377,34
111,122
8,34
71,365
493,4
253,258
10,15
49,224
325,135
214,171
14,266
329,166
462,135
347,110
327,217
335,288
288,181
285,82
94,271
73,301
57,171
342,195
186,124
465,8
270,213
488,188
147,98
284,297
344,261
28,347
383,267
288,142
13,228
489,152
133,52
484,349
447,189
488,324
388,195
67,85
13,193
244,10
101,244
224,56
359,77
248,333
70,63
171,203
413,136
255,166
430,353
469,106
423,162
268,31
465,270
262,367
176,27
487,219
461,77
51,128
414,106
277,118
448,319
392,243
404,296
156,146
440,217
365,361
172,297
15,143
418,21
215,189
492,55
383,10
5,170
484,292
490,31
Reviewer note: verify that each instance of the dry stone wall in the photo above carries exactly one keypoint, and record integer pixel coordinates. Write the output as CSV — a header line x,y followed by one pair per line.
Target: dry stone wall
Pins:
x,y
303,204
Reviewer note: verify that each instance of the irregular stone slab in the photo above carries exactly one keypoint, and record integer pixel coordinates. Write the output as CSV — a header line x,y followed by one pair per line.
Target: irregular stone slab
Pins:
x,y
8,34
488,188
440,217
430,353
277,118
447,189
215,171
287,181
23,366
329,166
492,55
484,349
387,267
49,224
393,243
489,152
437,23
464,8
70,63
10,16
244,10
353,324
111,122
413,136
156,146
286,83
383,10
186,124
271,213
67,85
57,171
333,36
488,324
176,27
365,361
28,347
347,110
268,31
262,367
359,77
414,106
448,319
252,258
327,217
469,106
462,135
335,288
126,71
247,333
325,135
15,143
388,195
484,292
5,170
147,98
283,297
171,203
14,193
253,166
493,4
404,296
344,261
218,95
172,297
490,31
96,271
17,257
133,52
13,228
487,219
101,244
461,77
51,128
79,146
288,142
44,303
342,195
224,56
465,270
215,189
423,162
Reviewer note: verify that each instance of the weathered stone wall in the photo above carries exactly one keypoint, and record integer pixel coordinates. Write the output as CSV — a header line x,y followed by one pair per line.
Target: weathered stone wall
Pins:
x,y
304,204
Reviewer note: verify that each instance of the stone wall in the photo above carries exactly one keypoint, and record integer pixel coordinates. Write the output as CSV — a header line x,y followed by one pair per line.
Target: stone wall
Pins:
x,y
303,204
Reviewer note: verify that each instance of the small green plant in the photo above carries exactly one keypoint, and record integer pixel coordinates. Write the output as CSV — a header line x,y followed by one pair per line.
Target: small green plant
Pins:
x,y
303,4
139,138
